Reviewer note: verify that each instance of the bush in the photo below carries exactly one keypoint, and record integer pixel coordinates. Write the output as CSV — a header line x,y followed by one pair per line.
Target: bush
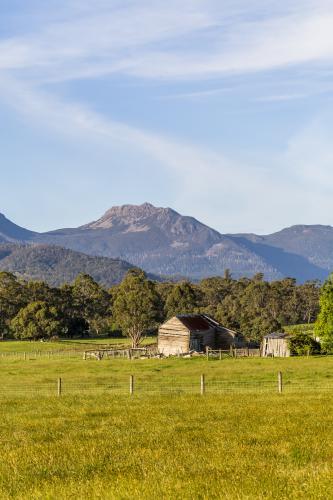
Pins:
x,y
302,344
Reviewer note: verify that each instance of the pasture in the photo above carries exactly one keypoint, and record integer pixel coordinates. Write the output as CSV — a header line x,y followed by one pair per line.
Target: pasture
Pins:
x,y
240,440
68,344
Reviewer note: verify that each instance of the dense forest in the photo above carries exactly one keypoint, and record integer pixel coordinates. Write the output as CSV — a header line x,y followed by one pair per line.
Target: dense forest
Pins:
x,y
35,310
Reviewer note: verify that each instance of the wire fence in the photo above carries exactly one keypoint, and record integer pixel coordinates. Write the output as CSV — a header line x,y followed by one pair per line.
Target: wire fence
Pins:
x,y
35,355
129,353
92,353
133,386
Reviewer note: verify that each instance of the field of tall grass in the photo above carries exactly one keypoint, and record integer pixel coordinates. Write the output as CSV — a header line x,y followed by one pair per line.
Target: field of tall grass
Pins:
x,y
241,440
66,344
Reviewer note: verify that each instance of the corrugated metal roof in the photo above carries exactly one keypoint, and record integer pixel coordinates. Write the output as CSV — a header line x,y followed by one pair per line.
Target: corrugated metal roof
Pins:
x,y
195,322
277,335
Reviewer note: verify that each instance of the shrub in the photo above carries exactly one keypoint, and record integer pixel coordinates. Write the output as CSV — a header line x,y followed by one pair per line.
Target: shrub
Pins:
x,y
302,344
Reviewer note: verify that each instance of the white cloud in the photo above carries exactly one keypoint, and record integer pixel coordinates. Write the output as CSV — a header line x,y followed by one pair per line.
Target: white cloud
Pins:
x,y
215,188
200,40
100,41
247,47
200,175
156,39
281,97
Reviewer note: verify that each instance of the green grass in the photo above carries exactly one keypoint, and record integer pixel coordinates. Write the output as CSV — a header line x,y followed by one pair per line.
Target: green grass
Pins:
x,y
306,328
18,346
308,371
99,443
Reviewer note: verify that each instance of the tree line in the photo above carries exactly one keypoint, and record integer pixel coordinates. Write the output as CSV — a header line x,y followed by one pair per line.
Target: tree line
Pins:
x,y
35,310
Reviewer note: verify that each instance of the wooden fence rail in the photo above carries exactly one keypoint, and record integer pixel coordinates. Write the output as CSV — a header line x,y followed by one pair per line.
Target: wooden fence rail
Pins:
x,y
233,352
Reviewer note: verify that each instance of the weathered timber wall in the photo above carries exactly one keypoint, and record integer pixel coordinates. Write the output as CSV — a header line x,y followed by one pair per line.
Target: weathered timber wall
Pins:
x,y
204,338
173,338
225,338
275,347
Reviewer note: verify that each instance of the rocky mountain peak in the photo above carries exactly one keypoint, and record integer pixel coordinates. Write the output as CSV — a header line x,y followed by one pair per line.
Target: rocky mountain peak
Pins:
x,y
162,241
128,215
135,211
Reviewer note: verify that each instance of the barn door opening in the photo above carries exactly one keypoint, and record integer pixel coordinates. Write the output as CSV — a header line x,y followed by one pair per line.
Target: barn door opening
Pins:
x,y
196,345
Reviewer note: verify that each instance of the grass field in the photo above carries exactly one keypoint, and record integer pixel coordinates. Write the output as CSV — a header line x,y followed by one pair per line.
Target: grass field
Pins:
x,y
241,440
305,328
70,344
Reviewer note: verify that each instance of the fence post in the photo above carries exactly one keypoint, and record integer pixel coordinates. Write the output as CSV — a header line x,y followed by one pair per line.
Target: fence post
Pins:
x,y
280,383
207,352
131,385
59,386
220,353
202,385
84,355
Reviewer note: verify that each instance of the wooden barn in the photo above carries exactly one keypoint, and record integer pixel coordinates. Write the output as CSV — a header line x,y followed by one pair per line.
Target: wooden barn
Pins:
x,y
194,332
276,345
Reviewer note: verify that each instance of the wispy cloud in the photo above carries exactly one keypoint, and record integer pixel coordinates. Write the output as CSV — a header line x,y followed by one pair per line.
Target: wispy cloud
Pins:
x,y
247,47
155,40
201,174
199,94
281,97
101,42
192,41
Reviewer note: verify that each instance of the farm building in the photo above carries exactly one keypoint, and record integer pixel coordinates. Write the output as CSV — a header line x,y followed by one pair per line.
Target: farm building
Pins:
x,y
194,332
276,344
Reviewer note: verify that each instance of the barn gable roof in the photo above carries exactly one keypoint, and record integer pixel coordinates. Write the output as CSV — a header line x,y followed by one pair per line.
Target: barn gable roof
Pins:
x,y
197,322
277,335
194,322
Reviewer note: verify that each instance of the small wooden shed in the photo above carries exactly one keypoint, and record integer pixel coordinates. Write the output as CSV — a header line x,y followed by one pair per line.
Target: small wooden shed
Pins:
x,y
276,344
194,332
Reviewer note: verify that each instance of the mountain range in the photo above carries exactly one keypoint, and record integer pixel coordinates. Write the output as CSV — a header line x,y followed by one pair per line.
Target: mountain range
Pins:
x,y
163,242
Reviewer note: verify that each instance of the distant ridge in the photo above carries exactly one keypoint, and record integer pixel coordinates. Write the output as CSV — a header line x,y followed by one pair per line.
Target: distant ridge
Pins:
x,y
163,242
11,232
58,266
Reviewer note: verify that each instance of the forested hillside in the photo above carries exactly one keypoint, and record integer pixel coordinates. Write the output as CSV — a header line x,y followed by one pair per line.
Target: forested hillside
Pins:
x,y
57,266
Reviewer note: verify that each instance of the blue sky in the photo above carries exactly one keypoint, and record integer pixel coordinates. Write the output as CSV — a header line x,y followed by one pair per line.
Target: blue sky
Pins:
x,y
221,109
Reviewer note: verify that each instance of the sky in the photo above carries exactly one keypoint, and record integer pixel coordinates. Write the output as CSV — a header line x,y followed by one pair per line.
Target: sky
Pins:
x,y
220,109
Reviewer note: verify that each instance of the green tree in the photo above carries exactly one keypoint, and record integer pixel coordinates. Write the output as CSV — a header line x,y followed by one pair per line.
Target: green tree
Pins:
x,y
36,291
256,315
309,300
213,293
324,324
91,302
256,328
228,312
182,299
12,299
303,343
36,321
135,306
